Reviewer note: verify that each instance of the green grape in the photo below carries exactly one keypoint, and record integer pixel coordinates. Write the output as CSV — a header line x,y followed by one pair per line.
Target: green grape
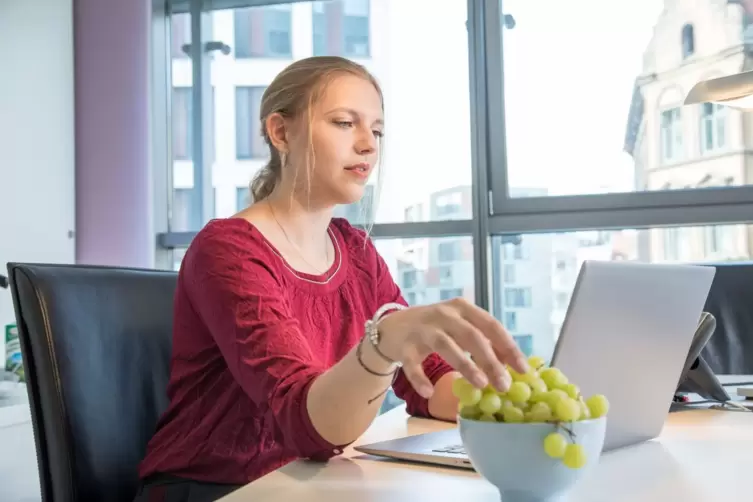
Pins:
x,y
516,377
490,403
461,387
536,362
571,390
537,384
585,412
555,445
471,397
567,410
513,414
469,412
552,397
575,456
598,405
553,378
519,392
487,418
540,412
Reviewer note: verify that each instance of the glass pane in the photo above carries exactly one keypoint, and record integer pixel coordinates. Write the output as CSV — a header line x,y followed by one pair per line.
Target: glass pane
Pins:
x,y
604,112
418,180
185,213
532,299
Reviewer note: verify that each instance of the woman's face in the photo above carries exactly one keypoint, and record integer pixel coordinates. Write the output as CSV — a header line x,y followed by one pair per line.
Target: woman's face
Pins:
x,y
337,160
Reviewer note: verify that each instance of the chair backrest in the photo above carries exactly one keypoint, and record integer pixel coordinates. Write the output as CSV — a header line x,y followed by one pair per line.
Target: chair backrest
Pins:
x,y
96,344
730,301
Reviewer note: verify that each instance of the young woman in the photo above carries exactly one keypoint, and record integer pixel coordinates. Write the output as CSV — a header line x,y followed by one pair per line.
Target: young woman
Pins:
x,y
275,354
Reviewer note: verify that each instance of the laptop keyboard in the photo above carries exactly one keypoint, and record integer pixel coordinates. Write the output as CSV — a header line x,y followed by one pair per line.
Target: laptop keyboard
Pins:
x,y
453,450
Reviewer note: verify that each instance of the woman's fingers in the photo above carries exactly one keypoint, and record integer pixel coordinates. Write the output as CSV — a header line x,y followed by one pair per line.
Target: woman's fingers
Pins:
x,y
503,344
469,338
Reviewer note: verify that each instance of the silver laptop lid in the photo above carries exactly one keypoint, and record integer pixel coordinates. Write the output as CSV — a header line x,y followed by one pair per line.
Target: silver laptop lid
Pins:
x,y
626,335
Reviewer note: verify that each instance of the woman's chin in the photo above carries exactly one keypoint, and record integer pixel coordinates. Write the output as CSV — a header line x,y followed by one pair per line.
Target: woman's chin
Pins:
x,y
350,194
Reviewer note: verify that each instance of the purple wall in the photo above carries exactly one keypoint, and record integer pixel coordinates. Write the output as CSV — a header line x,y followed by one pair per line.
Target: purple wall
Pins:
x,y
113,198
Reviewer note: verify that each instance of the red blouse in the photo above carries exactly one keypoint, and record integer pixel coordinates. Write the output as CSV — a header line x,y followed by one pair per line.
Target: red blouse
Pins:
x,y
249,337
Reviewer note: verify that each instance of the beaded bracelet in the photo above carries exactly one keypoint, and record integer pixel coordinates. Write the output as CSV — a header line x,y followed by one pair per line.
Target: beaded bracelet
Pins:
x,y
372,331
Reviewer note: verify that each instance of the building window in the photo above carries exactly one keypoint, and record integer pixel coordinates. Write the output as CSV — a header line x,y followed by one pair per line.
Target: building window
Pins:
x,y
517,297
263,32
180,34
358,212
514,251
242,198
410,298
445,275
182,111
509,274
409,279
448,294
671,135
525,343
672,243
688,41
713,122
341,28
449,204
511,321
249,143
448,251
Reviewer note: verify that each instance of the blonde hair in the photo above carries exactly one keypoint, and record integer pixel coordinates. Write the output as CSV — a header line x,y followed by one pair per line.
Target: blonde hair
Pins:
x,y
293,93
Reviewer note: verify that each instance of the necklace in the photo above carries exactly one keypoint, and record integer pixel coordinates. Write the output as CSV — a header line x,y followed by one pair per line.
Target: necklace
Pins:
x,y
297,249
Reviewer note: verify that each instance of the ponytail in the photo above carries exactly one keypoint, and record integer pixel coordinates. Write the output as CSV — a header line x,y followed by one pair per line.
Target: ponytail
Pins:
x,y
266,179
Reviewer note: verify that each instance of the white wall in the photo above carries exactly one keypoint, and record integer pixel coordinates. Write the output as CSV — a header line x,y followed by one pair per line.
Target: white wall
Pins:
x,y
36,136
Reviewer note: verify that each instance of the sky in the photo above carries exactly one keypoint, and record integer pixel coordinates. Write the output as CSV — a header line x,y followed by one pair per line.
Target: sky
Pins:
x,y
569,73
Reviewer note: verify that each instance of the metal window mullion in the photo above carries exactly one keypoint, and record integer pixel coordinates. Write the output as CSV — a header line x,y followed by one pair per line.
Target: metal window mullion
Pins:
x,y
201,32
479,25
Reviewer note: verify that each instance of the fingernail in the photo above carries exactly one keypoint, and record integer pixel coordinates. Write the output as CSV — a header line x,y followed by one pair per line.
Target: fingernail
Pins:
x,y
426,391
523,363
502,383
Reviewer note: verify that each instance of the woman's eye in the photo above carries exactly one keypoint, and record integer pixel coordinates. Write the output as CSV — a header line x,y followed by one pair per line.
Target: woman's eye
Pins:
x,y
378,134
343,123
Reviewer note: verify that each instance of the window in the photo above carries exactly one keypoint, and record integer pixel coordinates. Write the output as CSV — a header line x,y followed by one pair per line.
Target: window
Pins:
x,y
185,215
263,32
509,274
449,205
548,289
525,343
409,279
341,27
671,135
448,251
514,251
511,321
713,123
180,34
448,294
518,297
688,41
182,123
242,198
249,142
445,275
361,212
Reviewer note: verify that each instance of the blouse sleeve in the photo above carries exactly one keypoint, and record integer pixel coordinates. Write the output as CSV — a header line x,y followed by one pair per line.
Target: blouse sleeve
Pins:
x,y
242,302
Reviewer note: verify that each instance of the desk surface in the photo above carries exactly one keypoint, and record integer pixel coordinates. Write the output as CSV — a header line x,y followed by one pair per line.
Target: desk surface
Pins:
x,y
701,456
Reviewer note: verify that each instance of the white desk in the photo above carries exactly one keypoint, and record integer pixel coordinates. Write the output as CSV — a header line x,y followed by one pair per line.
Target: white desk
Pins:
x,y
702,456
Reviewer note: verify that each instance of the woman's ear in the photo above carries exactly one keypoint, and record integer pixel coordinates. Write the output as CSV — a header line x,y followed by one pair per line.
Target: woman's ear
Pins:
x,y
277,131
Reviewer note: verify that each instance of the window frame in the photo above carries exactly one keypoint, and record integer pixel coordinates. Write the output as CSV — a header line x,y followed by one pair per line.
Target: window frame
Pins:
x,y
494,212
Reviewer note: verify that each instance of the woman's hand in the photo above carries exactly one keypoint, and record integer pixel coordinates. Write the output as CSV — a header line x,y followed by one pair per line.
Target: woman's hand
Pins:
x,y
450,329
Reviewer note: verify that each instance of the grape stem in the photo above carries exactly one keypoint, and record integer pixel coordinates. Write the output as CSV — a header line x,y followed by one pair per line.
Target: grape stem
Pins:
x,y
560,425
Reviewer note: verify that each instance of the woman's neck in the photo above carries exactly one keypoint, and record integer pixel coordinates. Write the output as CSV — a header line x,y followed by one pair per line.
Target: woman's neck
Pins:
x,y
305,227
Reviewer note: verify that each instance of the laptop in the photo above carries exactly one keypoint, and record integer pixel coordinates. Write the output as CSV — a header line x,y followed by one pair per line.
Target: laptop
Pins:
x,y
626,334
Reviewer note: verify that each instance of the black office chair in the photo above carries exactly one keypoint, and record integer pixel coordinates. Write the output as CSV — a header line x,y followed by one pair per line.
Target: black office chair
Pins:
x,y
96,345
730,301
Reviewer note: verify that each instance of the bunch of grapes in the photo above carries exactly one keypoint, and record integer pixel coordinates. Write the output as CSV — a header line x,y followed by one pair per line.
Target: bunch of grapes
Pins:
x,y
543,395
